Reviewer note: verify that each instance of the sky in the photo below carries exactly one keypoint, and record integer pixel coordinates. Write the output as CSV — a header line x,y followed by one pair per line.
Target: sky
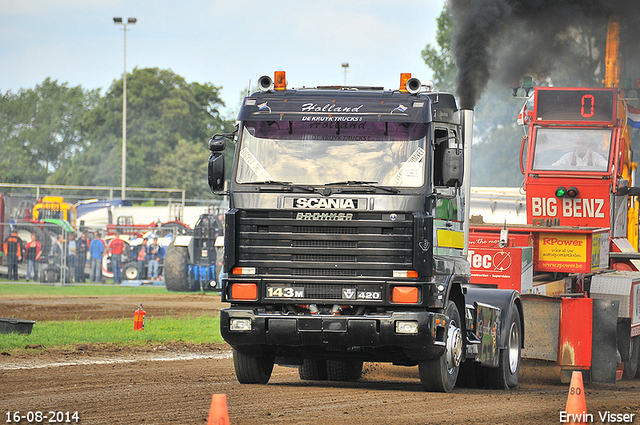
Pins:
x,y
228,43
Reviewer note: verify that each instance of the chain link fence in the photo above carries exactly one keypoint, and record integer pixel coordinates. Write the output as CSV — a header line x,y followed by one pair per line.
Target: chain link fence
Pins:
x,y
47,264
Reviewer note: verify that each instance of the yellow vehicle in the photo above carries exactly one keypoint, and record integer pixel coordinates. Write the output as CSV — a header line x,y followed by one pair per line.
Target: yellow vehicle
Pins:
x,y
54,207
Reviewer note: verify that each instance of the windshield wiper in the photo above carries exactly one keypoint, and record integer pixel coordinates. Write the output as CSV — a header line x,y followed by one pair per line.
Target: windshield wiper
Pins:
x,y
282,183
373,184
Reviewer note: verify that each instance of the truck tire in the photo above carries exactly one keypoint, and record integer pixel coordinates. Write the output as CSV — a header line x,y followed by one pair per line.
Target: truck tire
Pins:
x,y
631,366
175,269
313,370
349,371
441,374
252,370
505,376
470,375
130,271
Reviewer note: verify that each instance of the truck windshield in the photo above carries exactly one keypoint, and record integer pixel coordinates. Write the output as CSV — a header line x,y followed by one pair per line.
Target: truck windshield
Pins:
x,y
562,149
317,153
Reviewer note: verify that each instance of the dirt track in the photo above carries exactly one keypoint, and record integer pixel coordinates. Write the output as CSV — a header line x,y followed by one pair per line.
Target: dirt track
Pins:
x,y
174,383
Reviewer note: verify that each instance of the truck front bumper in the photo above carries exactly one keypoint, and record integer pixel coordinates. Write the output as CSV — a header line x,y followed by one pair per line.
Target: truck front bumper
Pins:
x,y
427,330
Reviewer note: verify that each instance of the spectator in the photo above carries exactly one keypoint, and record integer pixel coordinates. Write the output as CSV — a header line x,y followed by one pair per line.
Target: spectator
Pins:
x,y
56,250
141,257
72,258
12,249
96,252
155,255
582,155
33,253
82,246
116,248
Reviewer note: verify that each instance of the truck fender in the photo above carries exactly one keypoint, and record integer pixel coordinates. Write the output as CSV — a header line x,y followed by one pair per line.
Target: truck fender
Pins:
x,y
185,240
505,300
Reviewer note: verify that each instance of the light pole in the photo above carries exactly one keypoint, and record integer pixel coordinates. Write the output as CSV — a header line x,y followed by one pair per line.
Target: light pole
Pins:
x,y
119,21
345,65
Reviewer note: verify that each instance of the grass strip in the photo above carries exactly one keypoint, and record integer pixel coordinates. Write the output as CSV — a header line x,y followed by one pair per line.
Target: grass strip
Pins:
x,y
69,334
81,290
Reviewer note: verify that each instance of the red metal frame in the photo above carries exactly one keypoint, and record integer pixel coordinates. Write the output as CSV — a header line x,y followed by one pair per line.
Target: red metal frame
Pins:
x,y
541,120
576,330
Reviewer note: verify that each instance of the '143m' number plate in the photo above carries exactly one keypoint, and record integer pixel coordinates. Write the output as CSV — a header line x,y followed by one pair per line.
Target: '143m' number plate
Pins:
x,y
284,292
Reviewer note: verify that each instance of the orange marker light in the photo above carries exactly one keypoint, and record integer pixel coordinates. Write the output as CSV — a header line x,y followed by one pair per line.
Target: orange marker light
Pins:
x,y
243,270
280,80
405,273
244,291
404,77
405,294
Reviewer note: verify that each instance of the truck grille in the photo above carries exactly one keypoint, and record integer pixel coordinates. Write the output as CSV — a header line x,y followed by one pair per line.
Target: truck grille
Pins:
x,y
369,245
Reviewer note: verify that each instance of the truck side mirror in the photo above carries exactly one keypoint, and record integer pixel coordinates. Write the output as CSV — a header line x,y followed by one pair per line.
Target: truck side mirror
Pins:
x,y
216,172
217,143
452,167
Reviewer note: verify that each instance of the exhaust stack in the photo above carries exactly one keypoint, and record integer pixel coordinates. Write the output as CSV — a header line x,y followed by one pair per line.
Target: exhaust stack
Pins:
x,y
466,121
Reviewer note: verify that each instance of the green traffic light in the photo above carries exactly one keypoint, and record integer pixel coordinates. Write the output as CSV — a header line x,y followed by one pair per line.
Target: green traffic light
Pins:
x,y
561,192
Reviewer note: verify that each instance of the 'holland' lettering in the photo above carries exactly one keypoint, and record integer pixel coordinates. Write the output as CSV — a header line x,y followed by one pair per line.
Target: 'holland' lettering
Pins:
x,y
329,107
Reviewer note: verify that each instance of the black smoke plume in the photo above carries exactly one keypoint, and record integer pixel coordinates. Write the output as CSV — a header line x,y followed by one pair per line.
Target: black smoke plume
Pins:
x,y
506,39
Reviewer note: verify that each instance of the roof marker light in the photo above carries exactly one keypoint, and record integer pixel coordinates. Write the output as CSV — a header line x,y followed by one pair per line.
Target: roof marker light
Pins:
x,y
280,80
404,77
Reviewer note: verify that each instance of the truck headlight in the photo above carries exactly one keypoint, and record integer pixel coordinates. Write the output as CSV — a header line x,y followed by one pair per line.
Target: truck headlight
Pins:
x,y
240,324
406,327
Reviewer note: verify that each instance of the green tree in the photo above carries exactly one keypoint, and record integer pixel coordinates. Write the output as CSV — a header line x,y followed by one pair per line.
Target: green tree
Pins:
x,y
41,130
497,139
574,59
189,173
165,114
440,59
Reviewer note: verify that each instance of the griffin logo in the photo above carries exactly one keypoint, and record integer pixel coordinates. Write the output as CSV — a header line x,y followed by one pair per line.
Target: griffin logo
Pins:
x,y
348,294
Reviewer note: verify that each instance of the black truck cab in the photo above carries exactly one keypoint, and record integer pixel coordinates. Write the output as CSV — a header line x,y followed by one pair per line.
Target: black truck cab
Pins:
x,y
344,240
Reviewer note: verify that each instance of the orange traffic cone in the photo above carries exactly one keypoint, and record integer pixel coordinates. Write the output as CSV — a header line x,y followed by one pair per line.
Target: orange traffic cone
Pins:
x,y
218,413
576,409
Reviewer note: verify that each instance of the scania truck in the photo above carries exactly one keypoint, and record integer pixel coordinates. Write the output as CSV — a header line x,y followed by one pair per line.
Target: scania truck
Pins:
x,y
346,239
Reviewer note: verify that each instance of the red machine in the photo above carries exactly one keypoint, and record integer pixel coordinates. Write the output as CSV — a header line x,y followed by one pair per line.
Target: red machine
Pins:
x,y
576,261
126,226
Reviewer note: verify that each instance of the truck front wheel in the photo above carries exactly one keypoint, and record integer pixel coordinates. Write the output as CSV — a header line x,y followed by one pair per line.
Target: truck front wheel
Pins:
x,y
313,370
441,374
505,376
631,365
344,370
253,370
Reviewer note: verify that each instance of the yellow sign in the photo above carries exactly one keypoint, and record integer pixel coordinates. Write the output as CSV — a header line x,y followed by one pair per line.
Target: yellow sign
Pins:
x,y
450,238
566,251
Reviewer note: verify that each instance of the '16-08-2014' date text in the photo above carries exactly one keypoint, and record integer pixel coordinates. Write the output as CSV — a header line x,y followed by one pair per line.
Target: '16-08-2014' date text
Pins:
x,y
52,417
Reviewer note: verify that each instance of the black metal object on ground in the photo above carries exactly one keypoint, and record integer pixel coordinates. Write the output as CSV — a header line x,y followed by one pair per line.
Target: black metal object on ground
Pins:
x,y
15,325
